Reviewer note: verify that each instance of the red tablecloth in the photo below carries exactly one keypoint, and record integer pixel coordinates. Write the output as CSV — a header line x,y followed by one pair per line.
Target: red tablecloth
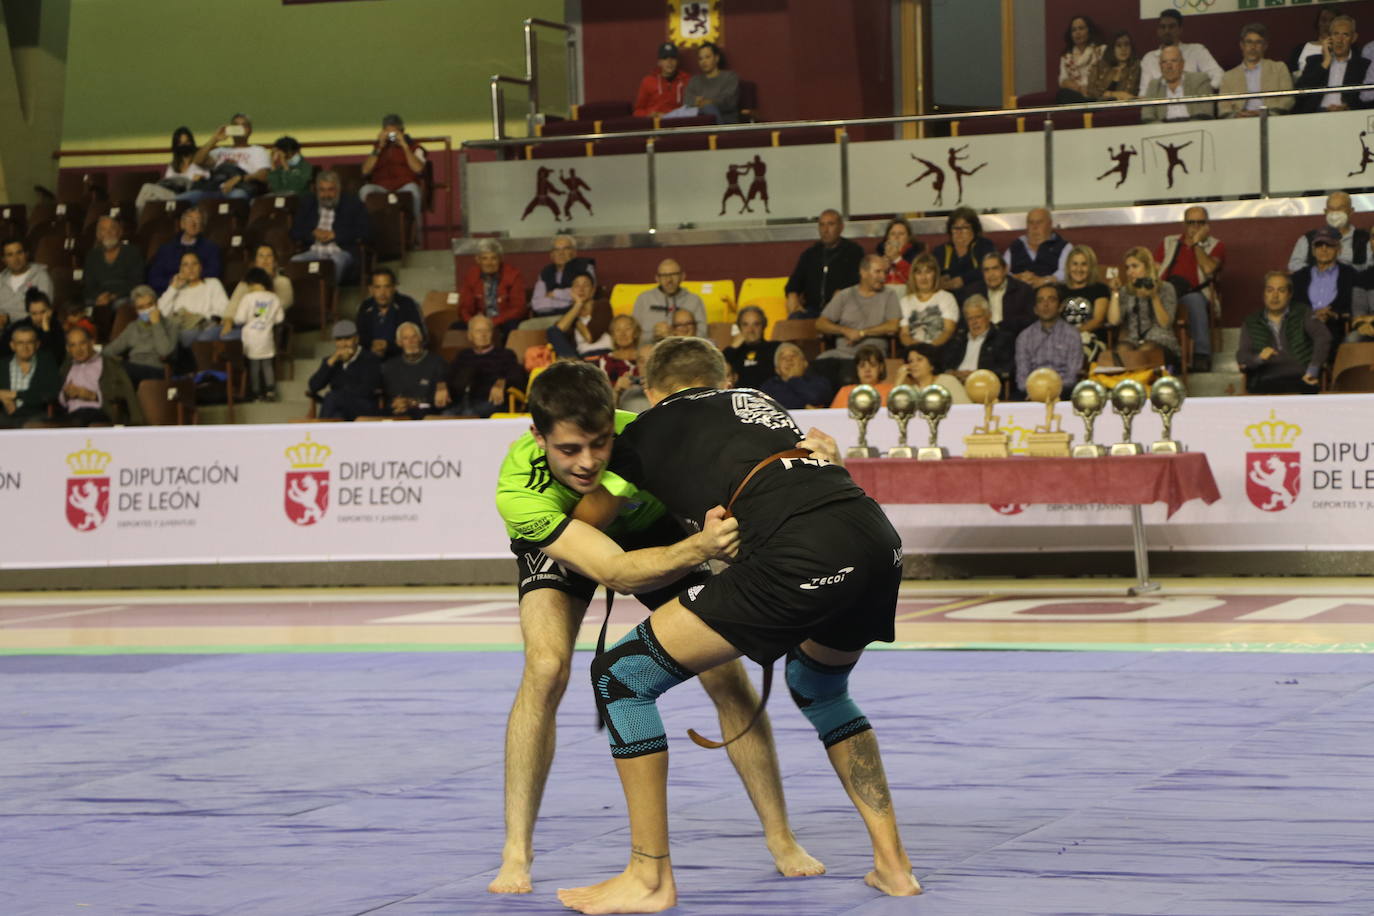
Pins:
x,y
1125,480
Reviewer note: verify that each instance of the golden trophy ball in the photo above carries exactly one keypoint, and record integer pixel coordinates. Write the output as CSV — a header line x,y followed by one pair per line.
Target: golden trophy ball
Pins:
x,y
989,440
901,407
864,402
933,401
1044,385
1089,399
1166,396
1128,399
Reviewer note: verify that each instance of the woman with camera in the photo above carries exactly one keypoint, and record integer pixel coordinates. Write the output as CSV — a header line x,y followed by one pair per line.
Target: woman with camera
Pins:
x,y
1143,310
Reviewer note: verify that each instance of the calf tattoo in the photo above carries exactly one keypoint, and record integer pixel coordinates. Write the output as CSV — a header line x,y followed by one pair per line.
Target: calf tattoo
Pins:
x,y
866,773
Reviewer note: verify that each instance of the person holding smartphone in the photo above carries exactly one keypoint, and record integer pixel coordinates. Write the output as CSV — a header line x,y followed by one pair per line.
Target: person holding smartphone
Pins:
x,y
252,160
1143,309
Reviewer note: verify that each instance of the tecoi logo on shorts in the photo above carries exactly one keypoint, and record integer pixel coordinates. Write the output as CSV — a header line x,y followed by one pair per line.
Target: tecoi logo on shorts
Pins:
x,y
837,578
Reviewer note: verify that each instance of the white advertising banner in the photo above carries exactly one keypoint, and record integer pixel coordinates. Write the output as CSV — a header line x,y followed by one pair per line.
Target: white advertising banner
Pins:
x,y
533,197
1002,171
1330,150
1190,159
746,186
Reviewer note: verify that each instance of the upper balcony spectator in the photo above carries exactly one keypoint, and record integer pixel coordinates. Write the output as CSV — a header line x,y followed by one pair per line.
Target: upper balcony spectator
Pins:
x,y
1174,83
181,173
663,90
1337,66
290,173
1117,75
396,163
238,170
1255,74
1083,51
1196,57
715,90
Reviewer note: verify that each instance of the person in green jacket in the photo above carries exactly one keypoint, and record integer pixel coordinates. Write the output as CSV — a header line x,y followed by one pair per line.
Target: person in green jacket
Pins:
x,y
290,172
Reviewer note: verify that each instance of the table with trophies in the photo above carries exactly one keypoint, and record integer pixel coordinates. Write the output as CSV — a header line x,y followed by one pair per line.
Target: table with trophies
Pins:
x,y
1124,473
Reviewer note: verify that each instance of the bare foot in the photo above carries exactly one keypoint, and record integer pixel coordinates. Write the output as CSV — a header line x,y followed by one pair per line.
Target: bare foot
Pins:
x,y
894,884
625,893
793,861
513,878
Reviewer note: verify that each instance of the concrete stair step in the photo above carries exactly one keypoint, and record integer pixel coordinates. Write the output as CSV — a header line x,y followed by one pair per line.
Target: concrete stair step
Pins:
x,y
1215,384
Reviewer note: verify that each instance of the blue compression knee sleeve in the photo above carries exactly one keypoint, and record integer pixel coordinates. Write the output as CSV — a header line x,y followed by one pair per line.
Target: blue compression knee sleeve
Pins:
x,y
822,694
628,678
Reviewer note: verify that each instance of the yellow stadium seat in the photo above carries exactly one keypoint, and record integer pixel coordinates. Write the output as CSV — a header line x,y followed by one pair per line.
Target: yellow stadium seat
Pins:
x,y
717,295
623,296
769,294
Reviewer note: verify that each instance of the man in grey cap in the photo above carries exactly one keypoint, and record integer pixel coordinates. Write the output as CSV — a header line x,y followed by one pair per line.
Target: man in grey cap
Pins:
x,y
395,164
352,375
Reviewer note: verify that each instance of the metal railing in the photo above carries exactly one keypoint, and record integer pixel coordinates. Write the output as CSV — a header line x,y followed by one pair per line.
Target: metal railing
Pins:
x,y
531,78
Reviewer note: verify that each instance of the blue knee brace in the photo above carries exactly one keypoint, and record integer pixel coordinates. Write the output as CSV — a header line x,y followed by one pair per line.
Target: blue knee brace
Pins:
x,y
627,679
822,694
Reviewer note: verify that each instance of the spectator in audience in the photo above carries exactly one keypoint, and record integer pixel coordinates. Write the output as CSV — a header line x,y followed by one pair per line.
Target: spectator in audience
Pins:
x,y
899,247
1083,282
482,374
866,314
52,336
353,375
290,173
112,268
331,224
1255,73
414,381
1039,256
395,164
383,312
622,361
1143,309
240,169
28,378
1196,58
194,303
1011,302
1355,243
1297,60
254,321
1361,320
265,257
1051,342
924,368
167,261
584,329
663,90
493,288
749,355
19,276
1083,50
1282,346
793,384
1175,84
553,290
91,384
181,173
1326,286
828,265
1191,261
928,313
147,342
1337,66
870,365
684,324
715,90
979,344
1117,75
960,256
656,306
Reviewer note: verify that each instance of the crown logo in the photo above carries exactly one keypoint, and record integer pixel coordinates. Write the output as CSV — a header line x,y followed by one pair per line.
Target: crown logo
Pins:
x,y
306,455
1018,437
89,461
1273,433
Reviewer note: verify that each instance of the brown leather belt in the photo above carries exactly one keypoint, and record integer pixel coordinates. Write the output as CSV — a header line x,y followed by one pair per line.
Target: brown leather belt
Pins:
x,y
790,453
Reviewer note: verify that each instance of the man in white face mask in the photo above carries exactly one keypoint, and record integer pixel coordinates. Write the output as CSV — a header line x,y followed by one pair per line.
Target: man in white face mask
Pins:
x,y
1355,249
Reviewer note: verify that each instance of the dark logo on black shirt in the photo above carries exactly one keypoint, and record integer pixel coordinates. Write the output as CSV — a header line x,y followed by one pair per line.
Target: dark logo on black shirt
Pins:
x,y
540,478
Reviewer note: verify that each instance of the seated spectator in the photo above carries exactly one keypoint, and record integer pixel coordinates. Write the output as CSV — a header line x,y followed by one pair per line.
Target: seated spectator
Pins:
x,y
352,374
1192,261
715,90
290,172
1196,58
493,288
1173,83
112,268
483,374
1355,243
1011,302
1116,77
19,276
750,356
1326,286
383,312
146,343
898,246
1083,282
1282,346
93,385
1051,342
1083,49
265,257
684,324
866,314
1297,60
793,384
238,170
870,364
167,262
979,344
1361,320
829,265
181,173
30,380
552,291
1039,256
928,313
959,257
663,90
622,360
923,368
414,381
395,164
1255,73
331,224
254,320
656,306
1143,309
584,329
1337,66
52,336
195,304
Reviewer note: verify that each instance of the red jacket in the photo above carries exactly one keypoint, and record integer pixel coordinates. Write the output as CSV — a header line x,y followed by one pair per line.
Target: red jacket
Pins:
x,y
659,96
510,296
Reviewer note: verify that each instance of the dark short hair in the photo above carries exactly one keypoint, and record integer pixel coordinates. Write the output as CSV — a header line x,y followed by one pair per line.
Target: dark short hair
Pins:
x,y
715,49
20,242
1060,292
258,276
1172,14
968,215
288,145
754,310
1258,28
571,391
930,352
684,362
380,271
871,354
34,294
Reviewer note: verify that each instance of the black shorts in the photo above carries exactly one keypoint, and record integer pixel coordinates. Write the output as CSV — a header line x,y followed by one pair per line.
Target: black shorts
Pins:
x,y
830,574
539,570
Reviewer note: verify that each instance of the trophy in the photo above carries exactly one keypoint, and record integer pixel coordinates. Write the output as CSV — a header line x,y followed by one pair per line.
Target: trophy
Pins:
x,y
1050,440
864,401
1167,395
933,401
1089,399
986,441
1128,399
901,407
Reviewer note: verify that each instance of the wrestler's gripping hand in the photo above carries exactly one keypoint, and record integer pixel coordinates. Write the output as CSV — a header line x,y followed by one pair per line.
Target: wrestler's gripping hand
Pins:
x,y
720,534
821,445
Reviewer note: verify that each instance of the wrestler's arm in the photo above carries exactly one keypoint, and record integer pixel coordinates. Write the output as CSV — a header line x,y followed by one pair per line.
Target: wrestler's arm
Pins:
x,y
593,554
598,508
